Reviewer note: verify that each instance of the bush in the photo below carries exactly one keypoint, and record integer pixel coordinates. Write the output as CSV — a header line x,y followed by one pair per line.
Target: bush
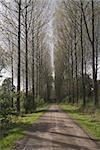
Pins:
x,y
29,106
39,101
5,111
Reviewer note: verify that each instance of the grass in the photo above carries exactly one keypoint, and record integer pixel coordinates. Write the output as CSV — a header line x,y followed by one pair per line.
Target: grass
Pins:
x,y
89,121
17,128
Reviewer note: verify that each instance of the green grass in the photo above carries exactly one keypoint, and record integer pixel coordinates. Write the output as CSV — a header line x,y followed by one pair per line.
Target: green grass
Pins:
x,y
89,121
16,131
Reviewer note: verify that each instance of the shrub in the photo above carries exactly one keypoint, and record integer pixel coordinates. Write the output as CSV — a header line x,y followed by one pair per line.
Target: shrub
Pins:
x,y
39,101
5,111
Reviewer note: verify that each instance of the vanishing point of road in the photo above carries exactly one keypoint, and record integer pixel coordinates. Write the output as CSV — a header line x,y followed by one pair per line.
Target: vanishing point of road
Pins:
x,y
55,130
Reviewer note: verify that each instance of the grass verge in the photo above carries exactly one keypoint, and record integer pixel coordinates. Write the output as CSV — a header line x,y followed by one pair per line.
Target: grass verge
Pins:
x,y
89,121
16,129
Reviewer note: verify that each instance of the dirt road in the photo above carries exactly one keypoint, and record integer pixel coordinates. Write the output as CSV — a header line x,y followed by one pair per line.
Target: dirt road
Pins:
x,y
56,131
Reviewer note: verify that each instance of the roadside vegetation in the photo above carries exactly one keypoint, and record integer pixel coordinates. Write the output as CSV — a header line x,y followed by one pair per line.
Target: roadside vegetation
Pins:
x,y
19,124
77,59
14,124
86,118
25,68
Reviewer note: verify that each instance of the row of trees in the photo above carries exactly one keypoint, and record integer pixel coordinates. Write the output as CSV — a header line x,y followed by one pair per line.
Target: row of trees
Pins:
x,y
77,50
23,28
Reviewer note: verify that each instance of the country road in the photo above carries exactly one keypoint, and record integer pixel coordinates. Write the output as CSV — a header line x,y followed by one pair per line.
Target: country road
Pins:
x,y
55,130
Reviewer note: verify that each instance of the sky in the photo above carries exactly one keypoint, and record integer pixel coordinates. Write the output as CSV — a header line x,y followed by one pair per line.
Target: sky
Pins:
x,y
51,34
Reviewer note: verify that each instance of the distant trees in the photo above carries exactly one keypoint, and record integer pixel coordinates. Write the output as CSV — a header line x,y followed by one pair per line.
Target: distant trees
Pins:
x,y
76,43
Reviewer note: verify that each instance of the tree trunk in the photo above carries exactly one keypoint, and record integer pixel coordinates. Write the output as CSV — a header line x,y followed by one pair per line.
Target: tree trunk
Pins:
x,y
12,72
76,64
18,75
37,63
33,90
26,56
93,59
72,73
82,61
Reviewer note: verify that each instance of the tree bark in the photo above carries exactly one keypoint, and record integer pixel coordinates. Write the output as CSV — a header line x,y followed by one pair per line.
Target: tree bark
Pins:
x,y
72,69
18,74
33,89
12,72
26,54
76,68
82,61
93,59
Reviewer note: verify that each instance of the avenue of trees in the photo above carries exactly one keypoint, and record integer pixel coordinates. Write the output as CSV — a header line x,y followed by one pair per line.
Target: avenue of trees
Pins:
x,y
25,51
77,51
25,54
